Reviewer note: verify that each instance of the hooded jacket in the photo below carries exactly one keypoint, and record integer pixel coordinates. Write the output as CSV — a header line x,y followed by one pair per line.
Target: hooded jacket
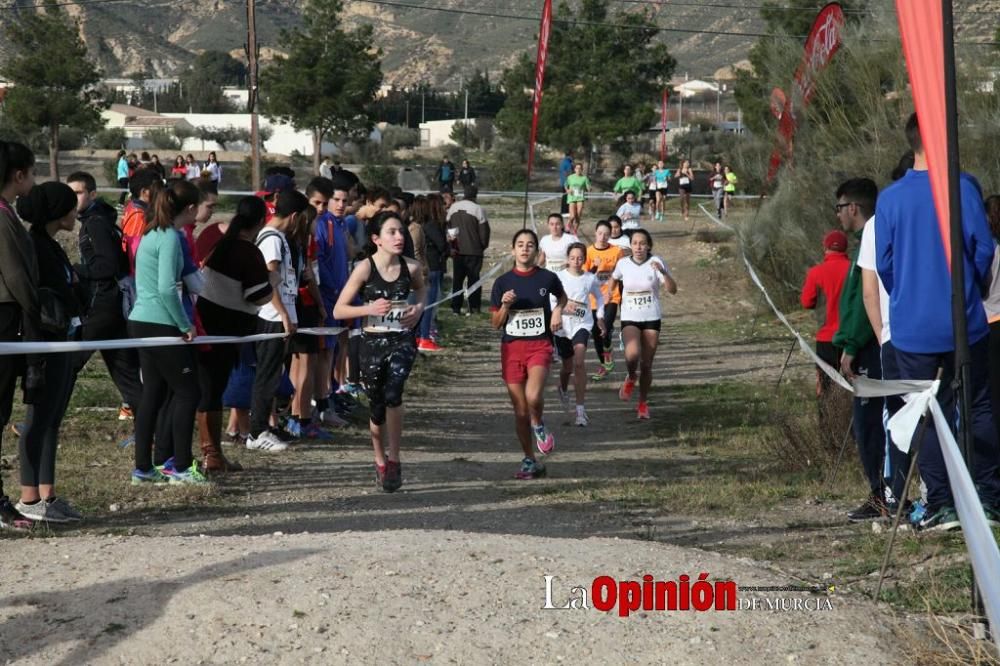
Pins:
x,y
102,261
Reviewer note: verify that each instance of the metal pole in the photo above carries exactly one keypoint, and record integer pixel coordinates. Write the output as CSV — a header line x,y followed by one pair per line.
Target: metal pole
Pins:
x,y
785,366
840,456
963,368
252,55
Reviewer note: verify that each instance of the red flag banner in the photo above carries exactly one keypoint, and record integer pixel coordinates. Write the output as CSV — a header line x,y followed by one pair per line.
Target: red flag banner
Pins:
x,y
663,131
543,51
921,30
822,43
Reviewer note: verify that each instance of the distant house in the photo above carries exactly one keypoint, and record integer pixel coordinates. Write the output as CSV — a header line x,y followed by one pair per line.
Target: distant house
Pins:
x,y
137,122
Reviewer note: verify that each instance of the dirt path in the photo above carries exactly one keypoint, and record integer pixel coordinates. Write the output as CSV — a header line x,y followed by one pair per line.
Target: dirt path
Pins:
x,y
450,569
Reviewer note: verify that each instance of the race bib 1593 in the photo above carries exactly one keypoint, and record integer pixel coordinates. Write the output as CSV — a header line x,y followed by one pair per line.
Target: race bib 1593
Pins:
x,y
526,323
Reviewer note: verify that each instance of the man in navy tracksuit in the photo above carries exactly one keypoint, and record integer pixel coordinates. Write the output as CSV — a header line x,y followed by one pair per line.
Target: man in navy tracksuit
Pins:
x,y
910,259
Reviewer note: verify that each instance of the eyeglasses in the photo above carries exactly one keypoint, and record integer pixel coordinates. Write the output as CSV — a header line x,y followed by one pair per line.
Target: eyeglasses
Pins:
x,y
837,207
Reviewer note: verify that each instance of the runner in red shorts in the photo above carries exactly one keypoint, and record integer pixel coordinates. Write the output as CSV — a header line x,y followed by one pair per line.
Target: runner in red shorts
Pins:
x,y
522,306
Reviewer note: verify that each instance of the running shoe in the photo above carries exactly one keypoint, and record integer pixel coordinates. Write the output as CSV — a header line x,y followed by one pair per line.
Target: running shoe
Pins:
x,y
41,512
190,476
563,397
643,411
608,365
125,412
428,345
236,437
873,508
545,441
602,372
293,427
393,478
265,441
581,417
153,476
329,417
628,386
379,475
11,518
65,508
944,519
281,432
313,431
167,468
530,469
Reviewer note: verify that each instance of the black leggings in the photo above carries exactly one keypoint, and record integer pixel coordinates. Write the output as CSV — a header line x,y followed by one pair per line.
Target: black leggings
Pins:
x,y
354,359
11,367
604,343
166,372
40,438
386,361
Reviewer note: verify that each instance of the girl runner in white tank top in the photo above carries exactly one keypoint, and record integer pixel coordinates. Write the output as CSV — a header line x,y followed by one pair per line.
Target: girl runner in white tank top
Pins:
x,y
552,248
642,277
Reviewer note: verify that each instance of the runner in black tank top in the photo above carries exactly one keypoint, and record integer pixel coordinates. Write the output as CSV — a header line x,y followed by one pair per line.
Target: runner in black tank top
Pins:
x,y
388,345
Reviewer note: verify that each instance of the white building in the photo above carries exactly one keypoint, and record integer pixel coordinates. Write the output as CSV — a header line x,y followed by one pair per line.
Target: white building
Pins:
x,y
284,138
437,133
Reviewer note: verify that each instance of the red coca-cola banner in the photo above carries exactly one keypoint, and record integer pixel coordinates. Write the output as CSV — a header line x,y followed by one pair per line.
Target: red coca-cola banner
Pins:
x,y
921,30
663,129
823,42
543,51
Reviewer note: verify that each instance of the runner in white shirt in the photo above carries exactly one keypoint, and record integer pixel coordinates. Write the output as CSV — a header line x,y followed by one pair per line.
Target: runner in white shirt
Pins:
x,y
641,277
577,321
552,248
630,212
618,236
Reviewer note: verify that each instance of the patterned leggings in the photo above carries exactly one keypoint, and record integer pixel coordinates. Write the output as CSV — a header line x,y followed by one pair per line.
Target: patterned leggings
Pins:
x,y
386,361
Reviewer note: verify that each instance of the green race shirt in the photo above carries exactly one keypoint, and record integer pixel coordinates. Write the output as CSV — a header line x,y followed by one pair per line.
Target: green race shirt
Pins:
x,y
576,188
629,184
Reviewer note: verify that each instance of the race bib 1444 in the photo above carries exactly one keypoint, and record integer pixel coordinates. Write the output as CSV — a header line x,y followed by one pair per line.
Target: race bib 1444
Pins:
x,y
390,322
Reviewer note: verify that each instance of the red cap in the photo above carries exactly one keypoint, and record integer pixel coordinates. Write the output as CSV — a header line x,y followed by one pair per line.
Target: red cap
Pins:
x,y
835,241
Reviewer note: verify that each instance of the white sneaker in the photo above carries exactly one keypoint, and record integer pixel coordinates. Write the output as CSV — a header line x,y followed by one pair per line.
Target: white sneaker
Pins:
x,y
563,398
581,418
266,441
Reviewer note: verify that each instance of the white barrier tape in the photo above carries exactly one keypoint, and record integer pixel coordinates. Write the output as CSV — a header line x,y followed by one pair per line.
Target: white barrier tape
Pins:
x,y
20,348
921,396
471,289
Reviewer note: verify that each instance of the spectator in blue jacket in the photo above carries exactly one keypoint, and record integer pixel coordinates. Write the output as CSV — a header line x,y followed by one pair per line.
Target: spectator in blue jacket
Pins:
x,y
910,259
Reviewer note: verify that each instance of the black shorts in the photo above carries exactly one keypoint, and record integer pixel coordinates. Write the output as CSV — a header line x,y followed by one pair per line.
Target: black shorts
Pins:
x,y
308,318
643,325
685,188
565,345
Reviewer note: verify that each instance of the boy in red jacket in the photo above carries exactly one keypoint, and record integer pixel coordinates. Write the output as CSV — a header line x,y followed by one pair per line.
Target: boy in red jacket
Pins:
x,y
827,279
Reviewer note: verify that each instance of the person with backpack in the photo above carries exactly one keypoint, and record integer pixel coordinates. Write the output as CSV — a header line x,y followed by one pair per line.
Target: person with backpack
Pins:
x,y
445,176
103,263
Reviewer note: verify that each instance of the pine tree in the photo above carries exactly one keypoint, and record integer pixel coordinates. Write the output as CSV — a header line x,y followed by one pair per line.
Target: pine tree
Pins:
x,y
328,82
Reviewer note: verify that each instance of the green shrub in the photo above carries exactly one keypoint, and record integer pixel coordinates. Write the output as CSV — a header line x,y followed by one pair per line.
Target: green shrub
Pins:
x,y
109,138
378,175
162,139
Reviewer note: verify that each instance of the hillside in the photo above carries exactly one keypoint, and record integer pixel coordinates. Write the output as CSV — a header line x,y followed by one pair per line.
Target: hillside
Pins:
x,y
435,43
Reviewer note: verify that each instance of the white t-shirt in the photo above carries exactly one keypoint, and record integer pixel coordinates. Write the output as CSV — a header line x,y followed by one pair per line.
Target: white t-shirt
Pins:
x,y
622,241
555,250
577,315
274,247
866,260
629,215
640,289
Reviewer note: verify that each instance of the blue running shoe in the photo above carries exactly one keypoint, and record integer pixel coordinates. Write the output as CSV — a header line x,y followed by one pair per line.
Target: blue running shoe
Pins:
x,y
153,476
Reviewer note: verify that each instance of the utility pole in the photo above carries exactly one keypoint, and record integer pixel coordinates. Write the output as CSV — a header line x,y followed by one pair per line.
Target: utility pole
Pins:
x,y
465,126
423,95
407,112
253,53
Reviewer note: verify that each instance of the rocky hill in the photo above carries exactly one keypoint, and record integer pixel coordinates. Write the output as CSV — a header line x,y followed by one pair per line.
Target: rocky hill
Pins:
x,y
439,45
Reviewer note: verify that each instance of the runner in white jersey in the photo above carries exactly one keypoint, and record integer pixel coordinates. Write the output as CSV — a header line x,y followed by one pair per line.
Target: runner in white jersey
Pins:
x,y
641,277
577,321
552,248
618,236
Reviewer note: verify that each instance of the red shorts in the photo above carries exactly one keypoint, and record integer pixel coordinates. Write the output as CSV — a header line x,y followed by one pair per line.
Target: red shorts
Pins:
x,y
517,356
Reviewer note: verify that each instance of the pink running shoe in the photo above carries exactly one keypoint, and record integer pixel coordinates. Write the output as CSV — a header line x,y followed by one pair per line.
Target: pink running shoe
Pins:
x,y
625,393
